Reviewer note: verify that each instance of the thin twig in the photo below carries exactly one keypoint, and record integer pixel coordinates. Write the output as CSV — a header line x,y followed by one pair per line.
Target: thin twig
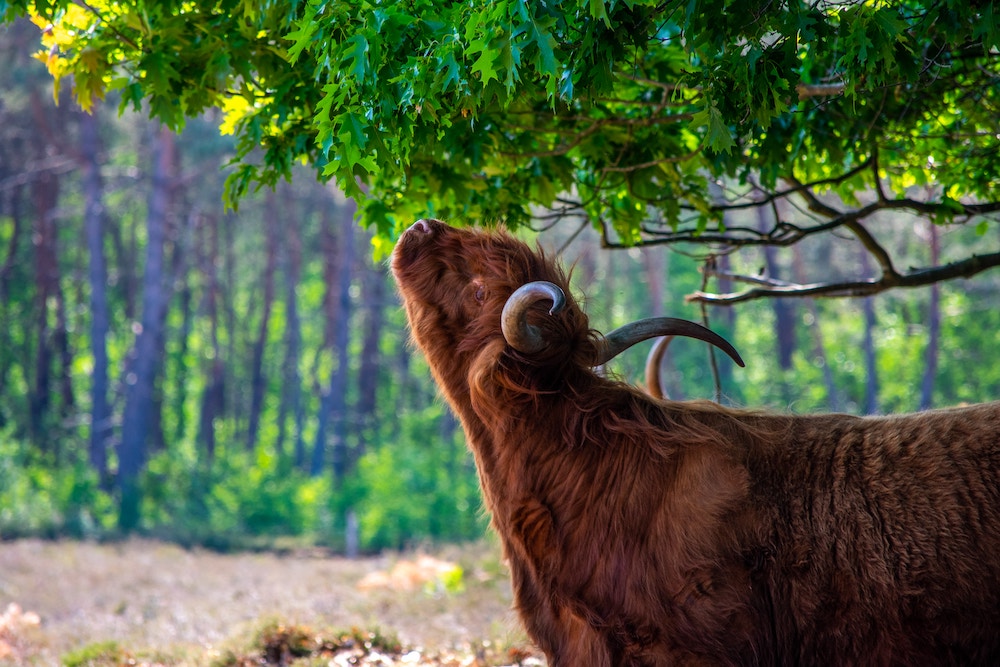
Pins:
x,y
806,90
752,280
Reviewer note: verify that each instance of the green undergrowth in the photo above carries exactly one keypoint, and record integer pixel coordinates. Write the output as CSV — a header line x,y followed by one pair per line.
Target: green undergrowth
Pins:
x,y
397,497
113,654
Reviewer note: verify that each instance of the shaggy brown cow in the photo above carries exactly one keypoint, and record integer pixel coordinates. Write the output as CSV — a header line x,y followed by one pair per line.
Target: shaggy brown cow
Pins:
x,y
650,532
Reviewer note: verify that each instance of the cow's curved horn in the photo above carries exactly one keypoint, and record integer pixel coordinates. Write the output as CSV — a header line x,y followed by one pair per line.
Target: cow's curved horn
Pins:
x,y
625,337
520,335
653,362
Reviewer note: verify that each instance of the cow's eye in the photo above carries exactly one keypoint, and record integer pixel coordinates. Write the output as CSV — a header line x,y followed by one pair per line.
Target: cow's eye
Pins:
x,y
480,291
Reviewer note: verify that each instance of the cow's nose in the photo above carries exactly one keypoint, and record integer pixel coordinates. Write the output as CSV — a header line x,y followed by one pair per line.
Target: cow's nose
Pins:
x,y
421,226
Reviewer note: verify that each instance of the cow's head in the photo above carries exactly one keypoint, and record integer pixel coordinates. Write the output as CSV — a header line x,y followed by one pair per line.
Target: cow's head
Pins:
x,y
472,293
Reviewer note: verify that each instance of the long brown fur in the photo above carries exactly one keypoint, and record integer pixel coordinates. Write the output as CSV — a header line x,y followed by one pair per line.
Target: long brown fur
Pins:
x,y
651,532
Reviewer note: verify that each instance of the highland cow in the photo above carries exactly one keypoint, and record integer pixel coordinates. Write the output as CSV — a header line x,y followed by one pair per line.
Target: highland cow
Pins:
x,y
642,531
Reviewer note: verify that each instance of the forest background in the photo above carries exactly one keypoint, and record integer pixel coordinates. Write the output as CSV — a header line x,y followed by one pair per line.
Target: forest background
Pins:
x,y
287,406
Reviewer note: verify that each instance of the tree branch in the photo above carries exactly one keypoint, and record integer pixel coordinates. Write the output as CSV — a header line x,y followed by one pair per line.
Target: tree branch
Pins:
x,y
877,251
653,163
594,126
806,90
964,268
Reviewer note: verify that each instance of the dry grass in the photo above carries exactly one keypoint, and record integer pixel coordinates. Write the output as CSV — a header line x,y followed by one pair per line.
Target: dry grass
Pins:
x,y
190,604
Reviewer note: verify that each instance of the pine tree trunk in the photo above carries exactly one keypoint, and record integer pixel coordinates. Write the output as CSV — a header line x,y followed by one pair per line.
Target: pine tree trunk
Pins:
x,y
141,381
234,404
784,309
44,195
93,190
6,343
53,339
181,278
257,380
819,346
374,299
933,326
333,407
291,387
655,267
868,344
185,297
212,400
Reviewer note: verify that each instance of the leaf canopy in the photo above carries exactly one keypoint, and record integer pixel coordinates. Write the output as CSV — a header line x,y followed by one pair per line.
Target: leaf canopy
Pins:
x,y
622,111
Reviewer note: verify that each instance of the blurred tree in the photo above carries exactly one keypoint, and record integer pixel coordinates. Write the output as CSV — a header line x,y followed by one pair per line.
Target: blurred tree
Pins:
x,y
933,326
291,403
214,390
257,380
374,289
53,357
620,111
93,219
338,267
145,359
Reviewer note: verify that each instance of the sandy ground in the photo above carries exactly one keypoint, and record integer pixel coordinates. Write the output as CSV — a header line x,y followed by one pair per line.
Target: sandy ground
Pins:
x,y
150,595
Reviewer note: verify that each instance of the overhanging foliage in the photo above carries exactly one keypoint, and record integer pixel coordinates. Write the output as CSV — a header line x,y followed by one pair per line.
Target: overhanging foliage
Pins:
x,y
650,120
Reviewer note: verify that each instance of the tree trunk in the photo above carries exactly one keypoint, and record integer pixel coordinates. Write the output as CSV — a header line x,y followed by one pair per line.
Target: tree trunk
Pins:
x,y
7,355
291,386
93,220
213,403
655,266
609,288
15,238
819,347
54,341
124,259
257,380
177,239
728,316
868,344
181,278
328,249
933,325
185,294
141,381
213,395
341,343
44,195
722,374
871,369
235,404
333,406
784,309
375,288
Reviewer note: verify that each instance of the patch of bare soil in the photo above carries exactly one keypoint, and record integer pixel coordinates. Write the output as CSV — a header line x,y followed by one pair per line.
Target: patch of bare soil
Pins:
x,y
192,606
